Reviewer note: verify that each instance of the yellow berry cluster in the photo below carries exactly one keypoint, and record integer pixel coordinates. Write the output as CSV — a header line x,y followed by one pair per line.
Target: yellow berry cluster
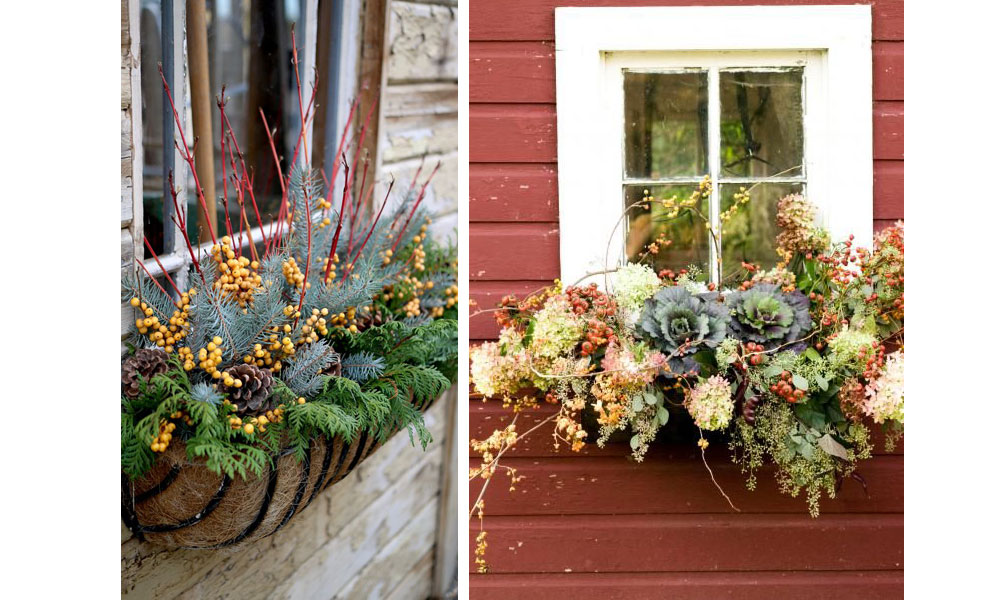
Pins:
x,y
413,307
334,266
209,357
238,276
345,320
262,355
741,198
314,327
259,422
164,336
163,438
293,275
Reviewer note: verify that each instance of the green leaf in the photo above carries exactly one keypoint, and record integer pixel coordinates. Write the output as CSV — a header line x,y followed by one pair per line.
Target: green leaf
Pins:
x,y
635,442
650,398
772,371
812,354
663,415
810,416
638,404
822,382
800,382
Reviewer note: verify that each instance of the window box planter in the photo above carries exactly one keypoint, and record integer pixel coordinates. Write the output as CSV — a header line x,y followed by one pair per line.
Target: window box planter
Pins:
x,y
181,503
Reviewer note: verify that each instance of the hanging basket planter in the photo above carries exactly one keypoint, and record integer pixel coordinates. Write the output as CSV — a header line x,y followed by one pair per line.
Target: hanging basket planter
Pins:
x,y
181,503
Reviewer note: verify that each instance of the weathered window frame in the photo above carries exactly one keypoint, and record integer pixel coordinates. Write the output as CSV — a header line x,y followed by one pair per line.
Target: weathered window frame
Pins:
x,y
345,16
593,43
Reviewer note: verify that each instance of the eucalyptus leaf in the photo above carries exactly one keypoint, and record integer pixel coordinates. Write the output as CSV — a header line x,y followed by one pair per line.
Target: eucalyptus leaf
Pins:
x,y
828,444
638,404
635,442
822,382
663,415
800,382
806,450
772,371
650,398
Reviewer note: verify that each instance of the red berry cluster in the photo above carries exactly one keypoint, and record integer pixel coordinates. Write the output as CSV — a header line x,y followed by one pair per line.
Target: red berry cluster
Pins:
x,y
670,276
875,362
590,299
600,308
756,353
597,335
785,389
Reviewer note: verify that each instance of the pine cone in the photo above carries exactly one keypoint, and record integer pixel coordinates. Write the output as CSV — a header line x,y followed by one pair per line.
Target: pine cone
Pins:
x,y
143,364
370,317
255,391
335,367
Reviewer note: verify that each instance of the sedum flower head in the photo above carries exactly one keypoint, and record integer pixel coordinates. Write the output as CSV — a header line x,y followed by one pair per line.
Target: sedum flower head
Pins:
x,y
634,283
710,404
886,395
679,324
766,315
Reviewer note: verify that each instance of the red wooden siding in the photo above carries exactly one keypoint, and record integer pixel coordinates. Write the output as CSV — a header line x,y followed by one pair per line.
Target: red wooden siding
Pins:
x,y
595,525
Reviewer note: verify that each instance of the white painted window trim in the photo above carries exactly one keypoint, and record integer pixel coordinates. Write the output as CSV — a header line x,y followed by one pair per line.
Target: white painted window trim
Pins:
x,y
838,136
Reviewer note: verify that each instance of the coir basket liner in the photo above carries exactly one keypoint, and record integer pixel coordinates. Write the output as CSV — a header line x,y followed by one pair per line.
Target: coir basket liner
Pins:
x,y
180,503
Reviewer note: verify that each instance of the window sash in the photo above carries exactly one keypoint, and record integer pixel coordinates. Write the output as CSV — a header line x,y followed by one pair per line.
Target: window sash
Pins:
x,y
616,64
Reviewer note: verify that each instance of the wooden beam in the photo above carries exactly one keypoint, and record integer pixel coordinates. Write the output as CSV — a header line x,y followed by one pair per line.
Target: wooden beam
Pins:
x,y
372,80
444,570
198,64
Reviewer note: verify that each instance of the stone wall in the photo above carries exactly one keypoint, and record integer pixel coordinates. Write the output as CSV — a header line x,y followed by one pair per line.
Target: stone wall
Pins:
x,y
420,103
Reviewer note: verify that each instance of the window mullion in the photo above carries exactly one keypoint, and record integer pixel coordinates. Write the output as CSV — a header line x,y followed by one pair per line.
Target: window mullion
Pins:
x,y
714,162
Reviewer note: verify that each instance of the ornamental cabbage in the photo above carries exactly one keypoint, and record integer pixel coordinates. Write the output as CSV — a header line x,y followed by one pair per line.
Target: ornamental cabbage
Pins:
x,y
679,324
765,315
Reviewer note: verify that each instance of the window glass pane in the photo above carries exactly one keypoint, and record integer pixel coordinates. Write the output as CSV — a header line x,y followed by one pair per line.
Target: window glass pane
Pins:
x,y
762,129
153,140
249,50
750,234
665,121
690,240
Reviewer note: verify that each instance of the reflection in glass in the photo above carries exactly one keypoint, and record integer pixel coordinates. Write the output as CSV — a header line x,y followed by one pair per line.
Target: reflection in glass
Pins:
x,y
750,234
690,240
665,121
761,123
249,50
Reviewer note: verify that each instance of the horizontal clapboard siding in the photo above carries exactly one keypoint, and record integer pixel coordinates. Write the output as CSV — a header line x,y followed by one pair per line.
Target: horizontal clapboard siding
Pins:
x,y
693,543
779,585
533,20
594,524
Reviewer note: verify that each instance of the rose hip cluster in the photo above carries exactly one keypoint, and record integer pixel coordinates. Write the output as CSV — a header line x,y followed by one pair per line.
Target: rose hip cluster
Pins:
x,y
755,352
785,388
600,309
